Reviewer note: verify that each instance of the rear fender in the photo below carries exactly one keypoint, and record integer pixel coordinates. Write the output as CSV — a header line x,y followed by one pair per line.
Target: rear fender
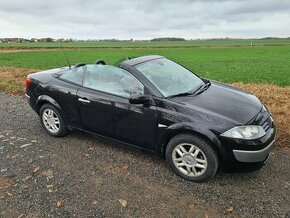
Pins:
x,y
42,99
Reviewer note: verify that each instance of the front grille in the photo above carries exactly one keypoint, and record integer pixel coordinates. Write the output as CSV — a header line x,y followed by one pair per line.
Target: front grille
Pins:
x,y
266,126
263,119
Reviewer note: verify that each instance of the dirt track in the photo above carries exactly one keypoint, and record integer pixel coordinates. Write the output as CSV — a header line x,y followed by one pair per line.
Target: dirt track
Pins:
x,y
82,176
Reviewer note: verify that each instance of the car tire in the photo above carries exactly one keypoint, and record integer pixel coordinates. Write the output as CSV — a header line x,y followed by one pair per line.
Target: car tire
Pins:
x,y
192,158
52,121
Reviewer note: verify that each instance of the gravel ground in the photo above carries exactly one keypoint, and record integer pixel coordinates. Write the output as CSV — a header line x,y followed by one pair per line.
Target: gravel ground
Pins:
x,y
82,176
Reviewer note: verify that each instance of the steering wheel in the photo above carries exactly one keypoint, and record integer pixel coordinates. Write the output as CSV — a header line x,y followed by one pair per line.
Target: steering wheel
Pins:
x,y
79,65
99,61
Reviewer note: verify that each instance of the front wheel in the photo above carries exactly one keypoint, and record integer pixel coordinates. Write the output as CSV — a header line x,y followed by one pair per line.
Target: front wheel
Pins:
x,y
52,121
192,158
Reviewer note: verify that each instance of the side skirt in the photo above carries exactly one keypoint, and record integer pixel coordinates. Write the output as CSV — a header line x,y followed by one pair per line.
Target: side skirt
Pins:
x,y
108,139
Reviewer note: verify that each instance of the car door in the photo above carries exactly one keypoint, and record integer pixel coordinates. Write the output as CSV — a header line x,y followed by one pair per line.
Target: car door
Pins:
x,y
105,109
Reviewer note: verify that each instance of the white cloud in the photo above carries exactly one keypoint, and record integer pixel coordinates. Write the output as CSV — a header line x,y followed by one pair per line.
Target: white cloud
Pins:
x,y
144,19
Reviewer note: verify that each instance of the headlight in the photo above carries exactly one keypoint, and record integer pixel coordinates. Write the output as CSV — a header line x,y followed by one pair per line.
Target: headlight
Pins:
x,y
245,132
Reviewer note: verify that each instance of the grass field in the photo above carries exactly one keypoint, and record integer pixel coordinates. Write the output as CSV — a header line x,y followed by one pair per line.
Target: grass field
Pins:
x,y
251,65
198,43
231,64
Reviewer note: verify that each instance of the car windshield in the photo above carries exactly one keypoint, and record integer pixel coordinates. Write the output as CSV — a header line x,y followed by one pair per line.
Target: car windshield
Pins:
x,y
169,77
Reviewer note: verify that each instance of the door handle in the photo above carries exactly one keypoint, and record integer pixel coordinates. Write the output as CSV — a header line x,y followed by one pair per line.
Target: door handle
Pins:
x,y
84,100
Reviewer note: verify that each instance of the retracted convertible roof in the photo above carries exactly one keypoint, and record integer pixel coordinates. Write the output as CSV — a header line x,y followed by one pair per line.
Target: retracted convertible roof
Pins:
x,y
140,60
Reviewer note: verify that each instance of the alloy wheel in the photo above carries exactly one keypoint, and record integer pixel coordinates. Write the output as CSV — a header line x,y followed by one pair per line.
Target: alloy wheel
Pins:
x,y
51,120
189,160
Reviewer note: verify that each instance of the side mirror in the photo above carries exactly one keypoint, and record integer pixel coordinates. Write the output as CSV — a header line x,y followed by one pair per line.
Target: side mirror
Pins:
x,y
139,99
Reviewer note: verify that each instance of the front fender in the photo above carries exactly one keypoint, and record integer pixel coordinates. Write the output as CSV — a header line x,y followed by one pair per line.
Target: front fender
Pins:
x,y
177,128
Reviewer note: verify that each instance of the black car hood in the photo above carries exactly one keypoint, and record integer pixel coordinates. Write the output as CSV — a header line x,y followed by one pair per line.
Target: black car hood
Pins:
x,y
225,101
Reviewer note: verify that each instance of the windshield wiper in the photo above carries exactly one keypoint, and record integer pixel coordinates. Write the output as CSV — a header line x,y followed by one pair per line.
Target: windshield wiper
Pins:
x,y
202,88
196,91
180,94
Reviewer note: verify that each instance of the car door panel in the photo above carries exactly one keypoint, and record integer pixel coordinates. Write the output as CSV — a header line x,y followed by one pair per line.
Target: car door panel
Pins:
x,y
114,117
135,124
96,115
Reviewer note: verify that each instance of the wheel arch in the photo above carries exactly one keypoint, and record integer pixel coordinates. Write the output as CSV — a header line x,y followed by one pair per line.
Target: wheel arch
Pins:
x,y
44,99
177,129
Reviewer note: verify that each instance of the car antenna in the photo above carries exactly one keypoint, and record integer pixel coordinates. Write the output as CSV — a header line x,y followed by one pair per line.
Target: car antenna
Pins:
x,y
69,66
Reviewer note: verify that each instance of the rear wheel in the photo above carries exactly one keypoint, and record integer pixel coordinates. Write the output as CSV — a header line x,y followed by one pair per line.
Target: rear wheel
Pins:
x,y
52,121
192,158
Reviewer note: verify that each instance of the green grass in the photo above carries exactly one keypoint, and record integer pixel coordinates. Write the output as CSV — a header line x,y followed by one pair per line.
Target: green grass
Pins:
x,y
12,87
246,42
231,64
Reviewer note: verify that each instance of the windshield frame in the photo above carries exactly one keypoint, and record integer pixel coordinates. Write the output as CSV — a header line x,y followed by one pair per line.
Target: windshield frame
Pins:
x,y
160,94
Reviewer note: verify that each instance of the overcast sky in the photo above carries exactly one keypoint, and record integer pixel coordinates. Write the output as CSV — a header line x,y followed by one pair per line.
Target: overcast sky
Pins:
x,y
146,19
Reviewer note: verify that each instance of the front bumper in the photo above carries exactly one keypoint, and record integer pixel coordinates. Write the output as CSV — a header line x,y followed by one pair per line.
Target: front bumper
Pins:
x,y
243,156
247,155
253,156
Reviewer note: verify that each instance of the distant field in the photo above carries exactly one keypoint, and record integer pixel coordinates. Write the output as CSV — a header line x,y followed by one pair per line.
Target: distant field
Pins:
x,y
250,65
198,43
231,64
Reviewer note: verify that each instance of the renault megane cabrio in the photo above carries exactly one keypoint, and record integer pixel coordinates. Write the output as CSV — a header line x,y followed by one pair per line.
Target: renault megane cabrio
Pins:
x,y
155,104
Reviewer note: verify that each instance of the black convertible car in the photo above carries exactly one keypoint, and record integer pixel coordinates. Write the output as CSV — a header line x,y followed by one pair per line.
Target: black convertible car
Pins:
x,y
155,104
